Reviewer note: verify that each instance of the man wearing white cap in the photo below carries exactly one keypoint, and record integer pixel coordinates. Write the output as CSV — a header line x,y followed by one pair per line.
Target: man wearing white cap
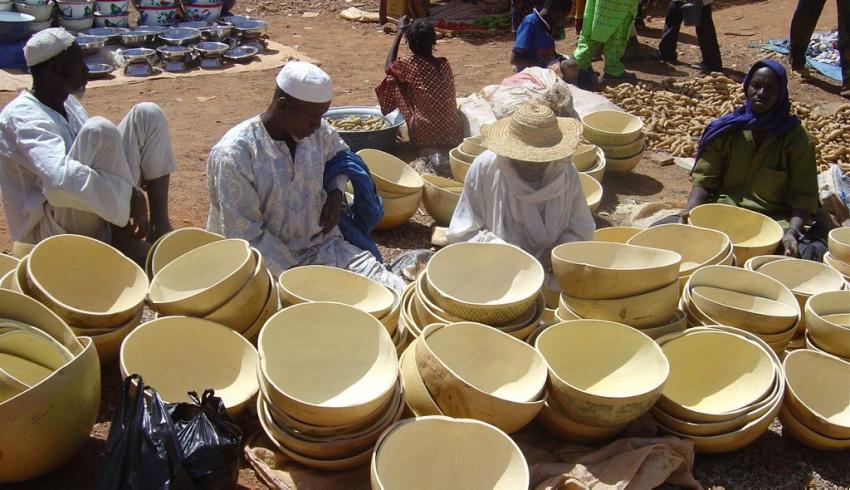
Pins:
x,y
265,179
63,172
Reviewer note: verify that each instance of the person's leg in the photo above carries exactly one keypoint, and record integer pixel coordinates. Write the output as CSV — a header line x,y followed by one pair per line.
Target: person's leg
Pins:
x,y
614,49
707,36
670,36
802,26
585,49
844,44
147,144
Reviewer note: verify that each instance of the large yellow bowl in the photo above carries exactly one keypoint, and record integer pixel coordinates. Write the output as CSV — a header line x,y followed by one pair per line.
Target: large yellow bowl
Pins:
x,y
752,233
592,191
416,395
57,413
597,170
645,310
842,267
755,263
604,270
472,146
459,166
804,277
440,198
626,151
327,363
390,173
794,427
491,283
481,457
715,376
472,370
554,421
312,283
177,243
108,344
677,323
697,246
204,353
397,210
622,165
616,234
584,157
240,311
602,373
85,281
817,392
608,128
839,244
271,307
200,281
744,310
826,321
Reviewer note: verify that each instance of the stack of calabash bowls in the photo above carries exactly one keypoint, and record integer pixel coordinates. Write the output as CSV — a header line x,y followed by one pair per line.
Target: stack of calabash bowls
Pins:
x,y
470,370
816,411
602,376
329,381
398,184
225,281
176,243
636,286
724,391
589,160
179,354
752,233
751,301
461,158
828,323
440,198
313,283
698,247
839,251
491,283
93,287
412,455
620,137
56,403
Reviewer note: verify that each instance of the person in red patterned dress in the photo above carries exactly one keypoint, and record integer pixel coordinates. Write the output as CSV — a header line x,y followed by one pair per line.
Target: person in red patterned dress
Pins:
x,y
422,87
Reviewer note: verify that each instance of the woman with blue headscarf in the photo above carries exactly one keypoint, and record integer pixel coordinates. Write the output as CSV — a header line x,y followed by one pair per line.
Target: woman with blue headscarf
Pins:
x,y
761,158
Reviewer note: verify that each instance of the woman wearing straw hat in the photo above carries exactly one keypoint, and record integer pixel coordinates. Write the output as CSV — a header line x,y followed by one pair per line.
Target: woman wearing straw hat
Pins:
x,y
524,189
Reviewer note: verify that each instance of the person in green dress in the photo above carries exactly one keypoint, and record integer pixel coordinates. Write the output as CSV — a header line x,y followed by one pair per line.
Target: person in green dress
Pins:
x,y
606,24
761,158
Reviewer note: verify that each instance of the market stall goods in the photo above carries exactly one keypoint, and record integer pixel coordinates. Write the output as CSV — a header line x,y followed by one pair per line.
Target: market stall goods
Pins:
x,y
817,395
175,244
828,322
440,198
752,233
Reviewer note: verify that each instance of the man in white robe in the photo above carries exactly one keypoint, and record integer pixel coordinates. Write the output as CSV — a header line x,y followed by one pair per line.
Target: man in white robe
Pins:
x,y
265,179
64,172
524,190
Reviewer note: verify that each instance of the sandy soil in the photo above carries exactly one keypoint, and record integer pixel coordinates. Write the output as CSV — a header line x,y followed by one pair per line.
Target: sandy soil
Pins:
x,y
354,54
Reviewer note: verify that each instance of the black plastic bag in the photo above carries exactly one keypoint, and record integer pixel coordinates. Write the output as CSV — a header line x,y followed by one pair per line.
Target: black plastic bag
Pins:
x,y
142,451
209,440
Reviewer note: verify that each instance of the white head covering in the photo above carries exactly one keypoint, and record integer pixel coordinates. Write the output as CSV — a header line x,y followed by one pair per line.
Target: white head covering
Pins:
x,y
306,82
46,44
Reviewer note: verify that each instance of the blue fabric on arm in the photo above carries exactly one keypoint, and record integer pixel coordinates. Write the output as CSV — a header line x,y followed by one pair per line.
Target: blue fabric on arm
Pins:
x,y
360,217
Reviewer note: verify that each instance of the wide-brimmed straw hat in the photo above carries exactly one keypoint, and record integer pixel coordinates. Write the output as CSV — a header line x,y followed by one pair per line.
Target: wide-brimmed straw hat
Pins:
x,y
532,134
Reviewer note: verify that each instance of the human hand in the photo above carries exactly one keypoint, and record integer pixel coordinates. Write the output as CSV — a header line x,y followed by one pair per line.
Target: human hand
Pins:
x,y
329,217
139,223
790,242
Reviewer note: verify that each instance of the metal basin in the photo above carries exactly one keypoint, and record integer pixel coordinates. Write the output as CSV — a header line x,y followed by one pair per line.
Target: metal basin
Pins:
x,y
251,28
173,52
137,38
216,32
138,55
112,34
233,19
14,26
99,70
381,139
180,36
240,54
91,44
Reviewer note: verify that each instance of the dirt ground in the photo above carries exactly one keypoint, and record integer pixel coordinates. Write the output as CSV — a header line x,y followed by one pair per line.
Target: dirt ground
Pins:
x,y
201,109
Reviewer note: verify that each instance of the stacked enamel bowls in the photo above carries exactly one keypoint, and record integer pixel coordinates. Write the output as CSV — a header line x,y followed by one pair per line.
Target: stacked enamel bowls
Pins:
x,y
93,287
49,389
828,323
628,284
470,370
76,15
620,137
816,411
751,301
225,281
752,233
602,376
725,388
329,381
839,251
399,186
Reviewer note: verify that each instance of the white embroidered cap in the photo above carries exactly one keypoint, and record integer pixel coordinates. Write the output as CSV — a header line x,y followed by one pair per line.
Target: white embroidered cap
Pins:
x,y
306,82
46,44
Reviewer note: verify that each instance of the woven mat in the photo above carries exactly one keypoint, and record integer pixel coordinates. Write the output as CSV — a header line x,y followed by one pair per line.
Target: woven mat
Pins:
x,y
276,56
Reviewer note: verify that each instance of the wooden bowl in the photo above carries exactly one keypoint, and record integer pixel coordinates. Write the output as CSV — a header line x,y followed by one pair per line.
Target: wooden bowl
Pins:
x,y
475,371
697,246
592,191
472,146
489,283
602,373
240,311
470,454
603,270
204,353
416,395
312,283
459,166
616,234
645,310
177,243
390,173
597,170
608,128
702,389
584,157
397,210
804,277
326,363
86,282
747,311
752,233
839,244
826,321
554,421
200,281
440,199
817,392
